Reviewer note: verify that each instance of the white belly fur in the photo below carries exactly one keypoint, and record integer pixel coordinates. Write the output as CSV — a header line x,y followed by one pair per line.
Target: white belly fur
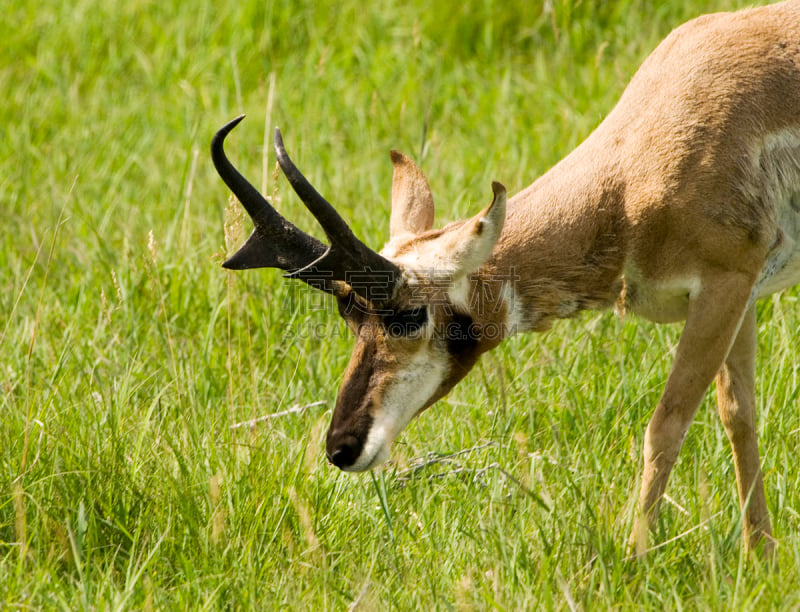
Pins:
x,y
779,165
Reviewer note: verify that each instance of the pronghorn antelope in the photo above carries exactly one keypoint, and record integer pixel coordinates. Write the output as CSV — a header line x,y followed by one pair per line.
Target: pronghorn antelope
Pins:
x,y
684,204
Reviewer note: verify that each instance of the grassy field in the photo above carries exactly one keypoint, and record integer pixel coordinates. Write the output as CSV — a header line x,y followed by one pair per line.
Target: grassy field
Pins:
x,y
128,356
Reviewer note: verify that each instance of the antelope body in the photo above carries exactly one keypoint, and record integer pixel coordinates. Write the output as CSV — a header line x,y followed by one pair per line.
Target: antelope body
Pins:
x,y
684,204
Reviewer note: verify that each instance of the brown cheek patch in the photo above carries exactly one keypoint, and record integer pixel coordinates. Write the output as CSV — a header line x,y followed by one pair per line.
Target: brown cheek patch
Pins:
x,y
356,381
371,368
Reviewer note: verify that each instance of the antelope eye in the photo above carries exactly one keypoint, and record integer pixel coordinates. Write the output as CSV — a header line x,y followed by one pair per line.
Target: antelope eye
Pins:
x,y
402,323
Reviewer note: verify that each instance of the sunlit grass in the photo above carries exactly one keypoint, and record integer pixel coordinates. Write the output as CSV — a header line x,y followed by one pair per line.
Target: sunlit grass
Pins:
x,y
127,354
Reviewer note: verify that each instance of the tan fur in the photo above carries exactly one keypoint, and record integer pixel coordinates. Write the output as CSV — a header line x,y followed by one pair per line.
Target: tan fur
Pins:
x,y
683,204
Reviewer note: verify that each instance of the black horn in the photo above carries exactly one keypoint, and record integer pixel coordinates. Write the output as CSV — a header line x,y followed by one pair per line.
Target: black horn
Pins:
x,y
277,243
369,274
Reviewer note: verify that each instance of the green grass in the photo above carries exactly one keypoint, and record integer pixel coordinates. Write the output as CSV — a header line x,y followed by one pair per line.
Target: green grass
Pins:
x,y
127,353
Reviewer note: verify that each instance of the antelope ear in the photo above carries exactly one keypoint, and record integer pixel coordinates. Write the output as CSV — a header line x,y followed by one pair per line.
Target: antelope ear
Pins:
x,y
412,200
468,247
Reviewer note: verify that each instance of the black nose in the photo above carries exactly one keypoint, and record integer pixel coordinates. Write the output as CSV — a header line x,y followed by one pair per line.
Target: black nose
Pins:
x,y
343,450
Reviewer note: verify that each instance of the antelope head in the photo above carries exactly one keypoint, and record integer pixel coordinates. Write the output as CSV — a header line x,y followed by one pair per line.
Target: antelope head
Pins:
x,y
417,328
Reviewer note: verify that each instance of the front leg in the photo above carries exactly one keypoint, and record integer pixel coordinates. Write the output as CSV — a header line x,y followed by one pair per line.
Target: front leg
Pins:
x,y
712,323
